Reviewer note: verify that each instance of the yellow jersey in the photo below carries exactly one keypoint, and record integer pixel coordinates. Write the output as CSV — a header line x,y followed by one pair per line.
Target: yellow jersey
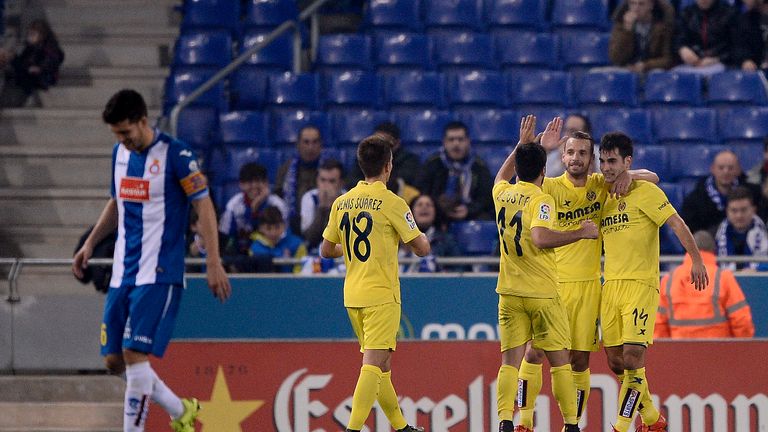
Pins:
x,y
524,269
369,221
630,229
579,261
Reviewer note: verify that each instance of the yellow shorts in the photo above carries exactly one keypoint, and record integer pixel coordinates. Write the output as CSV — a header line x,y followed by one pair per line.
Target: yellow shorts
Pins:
x,y
376,326
582,301
543,320
628,311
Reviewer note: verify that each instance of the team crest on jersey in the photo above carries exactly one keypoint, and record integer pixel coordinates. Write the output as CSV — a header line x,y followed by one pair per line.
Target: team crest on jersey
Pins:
x,y
544,211
134,189
591,195
622,206
409,220
155,167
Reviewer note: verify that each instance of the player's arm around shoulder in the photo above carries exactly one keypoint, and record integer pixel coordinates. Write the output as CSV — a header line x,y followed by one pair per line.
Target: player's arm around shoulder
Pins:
x,y
542,234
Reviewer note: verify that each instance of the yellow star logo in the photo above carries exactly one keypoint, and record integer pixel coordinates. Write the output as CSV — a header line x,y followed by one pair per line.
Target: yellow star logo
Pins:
x,y
221,413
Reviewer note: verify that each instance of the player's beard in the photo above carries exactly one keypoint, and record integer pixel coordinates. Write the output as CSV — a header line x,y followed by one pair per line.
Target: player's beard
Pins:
x,y
578,171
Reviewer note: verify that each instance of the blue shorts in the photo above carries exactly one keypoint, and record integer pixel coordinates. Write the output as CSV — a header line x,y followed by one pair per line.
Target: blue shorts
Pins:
x,y
139,318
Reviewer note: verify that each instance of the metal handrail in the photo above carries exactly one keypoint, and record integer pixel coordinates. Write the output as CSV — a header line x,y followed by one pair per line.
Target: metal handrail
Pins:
x,y
309,12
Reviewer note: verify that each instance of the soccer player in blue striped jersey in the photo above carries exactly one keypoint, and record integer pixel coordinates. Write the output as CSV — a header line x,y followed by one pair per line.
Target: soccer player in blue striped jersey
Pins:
x,y
155,178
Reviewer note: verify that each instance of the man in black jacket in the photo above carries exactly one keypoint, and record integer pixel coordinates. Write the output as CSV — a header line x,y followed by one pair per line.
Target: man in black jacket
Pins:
x,y
704,37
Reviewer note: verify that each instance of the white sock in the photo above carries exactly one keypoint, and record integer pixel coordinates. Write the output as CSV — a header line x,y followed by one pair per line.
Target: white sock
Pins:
x,y
138,392
166,398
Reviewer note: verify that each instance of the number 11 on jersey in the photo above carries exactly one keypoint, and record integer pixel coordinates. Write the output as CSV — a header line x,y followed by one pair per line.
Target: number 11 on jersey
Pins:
x,y
517,223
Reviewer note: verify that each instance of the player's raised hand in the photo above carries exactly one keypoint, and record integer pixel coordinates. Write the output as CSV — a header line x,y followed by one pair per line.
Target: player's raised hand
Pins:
x,y
80,261
620,186
699,276
589,229
218,282
527,129
550,139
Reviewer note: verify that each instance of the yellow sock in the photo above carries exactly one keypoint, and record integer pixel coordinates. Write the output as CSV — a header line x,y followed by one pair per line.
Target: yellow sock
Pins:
x,y
631,393
388,402
529,386
648,411
581,381
366,392
506,384
564,391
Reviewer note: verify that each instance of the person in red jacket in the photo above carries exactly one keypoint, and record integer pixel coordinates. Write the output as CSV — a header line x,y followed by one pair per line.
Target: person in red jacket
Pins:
x,y
719,311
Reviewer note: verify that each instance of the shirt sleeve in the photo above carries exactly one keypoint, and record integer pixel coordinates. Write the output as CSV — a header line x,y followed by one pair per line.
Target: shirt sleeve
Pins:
x,y
112,188
542,211
655,204
331,232
186,169
401,218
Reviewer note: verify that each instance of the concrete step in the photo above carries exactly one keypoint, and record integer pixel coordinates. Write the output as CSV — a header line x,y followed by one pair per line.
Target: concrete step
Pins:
x,y
54,167
93,53
51,207
80,416
97,97
96,32
114,77
58,388
30,241
143,14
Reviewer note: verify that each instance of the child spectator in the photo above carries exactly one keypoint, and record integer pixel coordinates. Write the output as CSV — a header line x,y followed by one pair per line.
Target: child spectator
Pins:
x,y
273,239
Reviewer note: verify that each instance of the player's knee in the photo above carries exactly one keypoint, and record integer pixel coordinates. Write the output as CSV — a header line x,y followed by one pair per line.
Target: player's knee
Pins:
x,y
634,359
114,364
579,361
616,364
534,356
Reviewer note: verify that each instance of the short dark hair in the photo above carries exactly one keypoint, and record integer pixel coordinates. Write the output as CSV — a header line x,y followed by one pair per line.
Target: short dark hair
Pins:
x,y
585,119
307,127
741,192
388,128
455,125
373,153
580,135
331,164
126,104
617,140
530,159
271,216
253,171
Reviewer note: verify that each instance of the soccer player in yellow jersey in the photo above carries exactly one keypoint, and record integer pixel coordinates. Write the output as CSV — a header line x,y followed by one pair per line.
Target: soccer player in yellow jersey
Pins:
x,y
630,230
365,226
529,305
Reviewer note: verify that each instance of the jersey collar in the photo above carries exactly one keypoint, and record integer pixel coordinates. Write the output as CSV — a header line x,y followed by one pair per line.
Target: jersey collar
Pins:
x,y
376,185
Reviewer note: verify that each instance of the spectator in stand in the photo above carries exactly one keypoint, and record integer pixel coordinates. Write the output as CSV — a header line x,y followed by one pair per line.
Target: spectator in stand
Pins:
x,y
758,175
298,174
573,123
742,233
273,239
431,223
405,165
35,68
704,207
704,37
751,44
243,211
457,179
718,311
641,38
316,203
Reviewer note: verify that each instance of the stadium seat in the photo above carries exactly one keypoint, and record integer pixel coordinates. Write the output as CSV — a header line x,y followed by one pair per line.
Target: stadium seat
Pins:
x,y
544,114
210,14
464,50
244,129
203,48
539,87
492,126
343,51
737,87
393,14
268,14
350,128
414,90
653,158
215,167
476,237
607,88
403,51
585,50
744,124
527,50
237,157
453,14
668,242
293,90
248,87
198,127
476,88
686,160
351,89
424,127
277,55
517,14
749,153
664,88
675,194
580,14
685,125
634,122
286,126
186,79
493,155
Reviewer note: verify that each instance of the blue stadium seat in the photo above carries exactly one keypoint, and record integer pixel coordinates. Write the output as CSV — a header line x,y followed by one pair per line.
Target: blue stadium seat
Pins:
x,y
539,87
248,87
203,48
526,14
350,128
675,194
453,14
634,122
668,242
544,114
749,153
343,51
685,125
527,49
607,88
210,14
464,50
476,237
476,88
237,157
393,14
580,14
268,14
585,50
415,90
664,88
278,55
737,87
403,51
744,124
215,167
493,155
654,158
244,129
186,79
286,126
686,160
492,127
424,127
293,90
351,89
198,127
